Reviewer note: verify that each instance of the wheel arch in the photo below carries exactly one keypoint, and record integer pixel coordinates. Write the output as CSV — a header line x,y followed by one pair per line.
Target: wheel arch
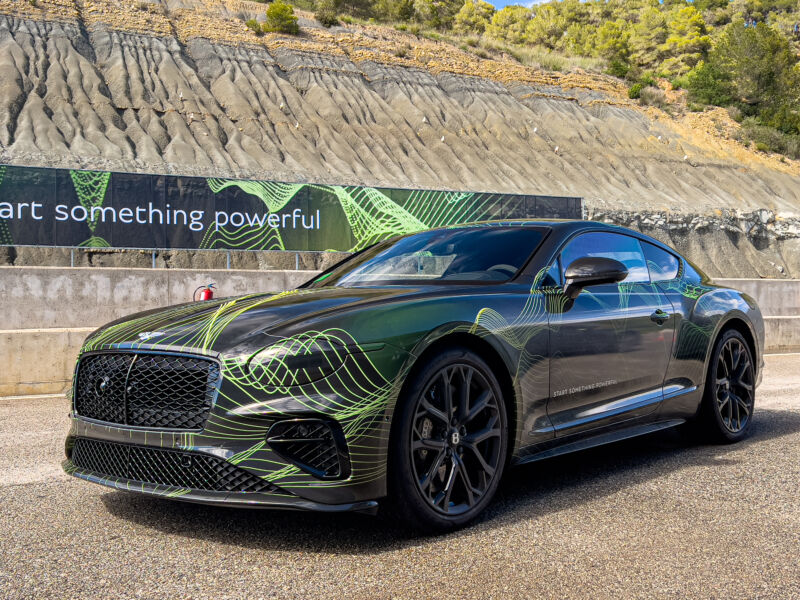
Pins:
x,y
742,327
740,324
493,356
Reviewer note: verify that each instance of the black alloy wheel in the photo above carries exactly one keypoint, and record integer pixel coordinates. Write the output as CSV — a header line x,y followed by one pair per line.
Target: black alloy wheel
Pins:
x,y
451,443
734,385
730,390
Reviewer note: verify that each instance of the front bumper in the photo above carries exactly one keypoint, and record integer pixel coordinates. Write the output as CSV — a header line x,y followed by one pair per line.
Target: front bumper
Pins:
x,y
183,474
356,403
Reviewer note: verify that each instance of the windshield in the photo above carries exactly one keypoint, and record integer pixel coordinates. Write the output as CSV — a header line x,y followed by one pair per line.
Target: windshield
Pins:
x,y
464,254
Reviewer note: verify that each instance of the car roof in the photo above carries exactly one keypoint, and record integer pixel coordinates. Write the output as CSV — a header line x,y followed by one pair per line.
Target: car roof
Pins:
x,y
562,225
567,227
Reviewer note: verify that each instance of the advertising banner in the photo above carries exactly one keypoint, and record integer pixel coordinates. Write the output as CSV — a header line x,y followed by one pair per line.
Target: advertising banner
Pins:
x,y
59,207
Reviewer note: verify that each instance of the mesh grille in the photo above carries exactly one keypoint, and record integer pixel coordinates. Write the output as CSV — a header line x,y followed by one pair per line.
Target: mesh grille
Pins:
x,y
159,466
146,390
310,444
106,371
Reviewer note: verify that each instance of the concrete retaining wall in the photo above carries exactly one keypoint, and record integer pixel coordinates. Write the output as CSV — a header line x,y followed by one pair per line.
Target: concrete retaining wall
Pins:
x,y
46,312
81,297
779,301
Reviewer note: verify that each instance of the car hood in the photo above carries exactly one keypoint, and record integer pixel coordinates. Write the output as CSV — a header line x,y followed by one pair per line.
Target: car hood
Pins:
x,y
217,326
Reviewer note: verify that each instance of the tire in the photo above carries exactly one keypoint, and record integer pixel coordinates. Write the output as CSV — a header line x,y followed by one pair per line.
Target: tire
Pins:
x,y
726,411
431,461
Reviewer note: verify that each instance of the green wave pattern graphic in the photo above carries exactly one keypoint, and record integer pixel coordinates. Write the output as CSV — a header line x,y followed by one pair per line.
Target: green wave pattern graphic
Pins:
x,y
371,214
90,187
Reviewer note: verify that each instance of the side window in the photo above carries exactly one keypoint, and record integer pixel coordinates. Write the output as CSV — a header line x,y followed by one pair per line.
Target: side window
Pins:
x,y
620,247
662,265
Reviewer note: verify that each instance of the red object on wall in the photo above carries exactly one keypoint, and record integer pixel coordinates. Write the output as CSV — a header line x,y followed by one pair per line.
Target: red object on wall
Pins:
x,y
206,293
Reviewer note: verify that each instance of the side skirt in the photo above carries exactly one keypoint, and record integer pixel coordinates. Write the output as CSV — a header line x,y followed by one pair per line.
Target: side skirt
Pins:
x,y
599,440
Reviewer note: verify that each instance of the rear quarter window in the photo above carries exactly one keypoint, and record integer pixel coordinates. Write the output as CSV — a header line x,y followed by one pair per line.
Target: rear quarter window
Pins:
x,y
662,265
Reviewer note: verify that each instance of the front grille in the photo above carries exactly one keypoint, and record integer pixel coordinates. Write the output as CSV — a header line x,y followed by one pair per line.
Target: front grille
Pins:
x,y
159,466
146,390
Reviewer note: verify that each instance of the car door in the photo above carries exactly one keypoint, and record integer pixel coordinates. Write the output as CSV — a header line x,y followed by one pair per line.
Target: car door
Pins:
x,y
610,347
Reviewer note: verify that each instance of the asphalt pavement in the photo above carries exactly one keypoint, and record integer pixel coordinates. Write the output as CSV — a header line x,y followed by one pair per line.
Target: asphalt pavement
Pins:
x,y
654,517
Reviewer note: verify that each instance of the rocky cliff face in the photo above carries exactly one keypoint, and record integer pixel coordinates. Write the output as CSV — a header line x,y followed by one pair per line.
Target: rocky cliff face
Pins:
x,y
82,84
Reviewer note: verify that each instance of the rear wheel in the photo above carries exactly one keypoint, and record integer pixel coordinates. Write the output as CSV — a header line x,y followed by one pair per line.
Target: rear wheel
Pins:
x,y
449,444
727,411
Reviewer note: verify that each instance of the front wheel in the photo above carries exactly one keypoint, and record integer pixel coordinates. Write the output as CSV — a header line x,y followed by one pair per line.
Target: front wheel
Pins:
x,y
729,398
449,443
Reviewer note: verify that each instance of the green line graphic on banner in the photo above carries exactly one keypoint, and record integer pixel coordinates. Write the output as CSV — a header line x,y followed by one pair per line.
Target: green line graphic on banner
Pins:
x,y
371,214
91,186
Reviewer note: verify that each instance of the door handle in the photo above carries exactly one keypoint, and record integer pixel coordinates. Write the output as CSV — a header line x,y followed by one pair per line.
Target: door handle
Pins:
x,y
659,316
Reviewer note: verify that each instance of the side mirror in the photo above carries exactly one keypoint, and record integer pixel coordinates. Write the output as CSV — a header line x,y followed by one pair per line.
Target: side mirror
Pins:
x,y
592,270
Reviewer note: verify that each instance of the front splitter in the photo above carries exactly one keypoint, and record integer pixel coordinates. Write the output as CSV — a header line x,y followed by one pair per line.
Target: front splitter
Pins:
x,y
234,499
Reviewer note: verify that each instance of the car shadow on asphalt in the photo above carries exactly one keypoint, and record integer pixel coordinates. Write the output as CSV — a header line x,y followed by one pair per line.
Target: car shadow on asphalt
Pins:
x,y
527,492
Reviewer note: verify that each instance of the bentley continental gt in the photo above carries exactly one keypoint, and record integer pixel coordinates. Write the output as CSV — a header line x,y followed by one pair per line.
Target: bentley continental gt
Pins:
x,y
412,374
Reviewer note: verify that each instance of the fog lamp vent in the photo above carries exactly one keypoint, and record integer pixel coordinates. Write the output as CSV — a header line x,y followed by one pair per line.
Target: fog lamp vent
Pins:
x,y
316,446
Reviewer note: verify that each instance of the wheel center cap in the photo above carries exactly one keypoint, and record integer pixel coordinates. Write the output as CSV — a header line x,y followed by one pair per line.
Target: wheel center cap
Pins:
x,y
455,438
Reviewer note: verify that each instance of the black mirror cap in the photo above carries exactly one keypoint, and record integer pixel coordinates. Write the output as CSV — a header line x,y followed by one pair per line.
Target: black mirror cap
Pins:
x,y
592,270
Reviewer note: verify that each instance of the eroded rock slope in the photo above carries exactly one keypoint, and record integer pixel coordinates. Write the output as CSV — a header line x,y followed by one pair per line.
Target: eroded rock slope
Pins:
x,y
83,85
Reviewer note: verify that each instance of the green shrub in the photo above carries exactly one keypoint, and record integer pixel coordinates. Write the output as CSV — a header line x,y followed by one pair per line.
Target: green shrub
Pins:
x,y
618,68
635,91
281,19
254,26
735,113
709,85
769,139
347,19
653,96
401,27
326,13
647,79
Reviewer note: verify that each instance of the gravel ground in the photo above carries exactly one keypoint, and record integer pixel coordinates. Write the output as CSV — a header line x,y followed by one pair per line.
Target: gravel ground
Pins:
x,y
652,517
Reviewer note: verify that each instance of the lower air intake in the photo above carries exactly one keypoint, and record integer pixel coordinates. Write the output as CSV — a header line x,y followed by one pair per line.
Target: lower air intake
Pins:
x,y
314,445
159,466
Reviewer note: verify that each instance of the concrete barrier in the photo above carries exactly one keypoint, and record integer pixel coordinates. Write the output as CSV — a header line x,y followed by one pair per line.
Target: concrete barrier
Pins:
x,y
775,297
44,297
779,301
46,312
38,361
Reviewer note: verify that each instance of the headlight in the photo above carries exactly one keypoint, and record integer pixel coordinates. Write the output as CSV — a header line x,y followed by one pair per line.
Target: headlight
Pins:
x,y
298,360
